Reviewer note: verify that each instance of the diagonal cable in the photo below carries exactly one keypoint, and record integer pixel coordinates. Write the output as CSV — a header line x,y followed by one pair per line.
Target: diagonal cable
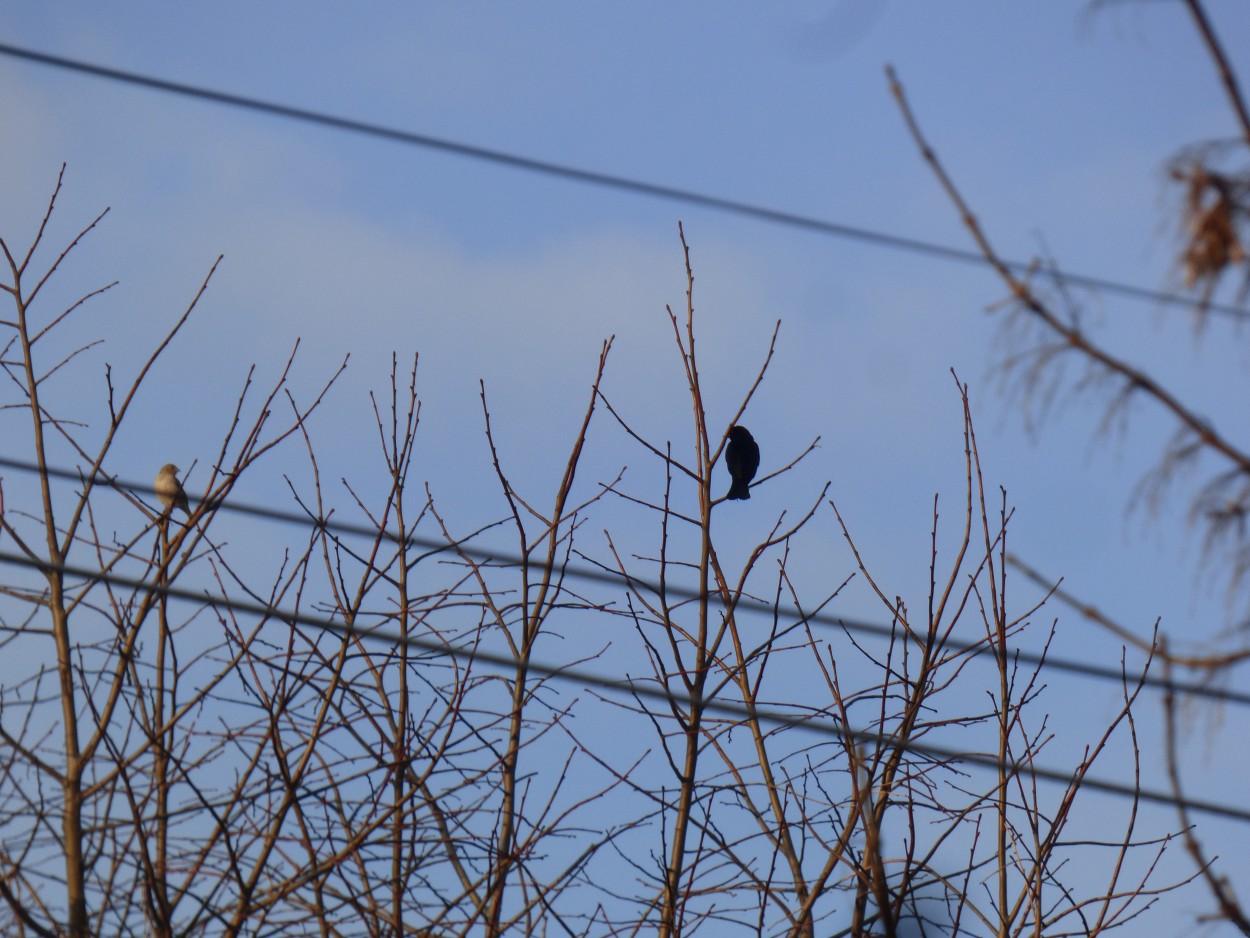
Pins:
x,y
816,720
604,180
614,578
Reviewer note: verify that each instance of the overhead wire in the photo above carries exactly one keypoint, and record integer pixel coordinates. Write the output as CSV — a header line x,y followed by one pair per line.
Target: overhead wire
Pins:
x,y
604,180
733,206
602,575
649,689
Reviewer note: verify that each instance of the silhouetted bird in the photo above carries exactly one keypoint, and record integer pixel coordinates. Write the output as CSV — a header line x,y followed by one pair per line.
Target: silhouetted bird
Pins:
x,y
742,457
169,490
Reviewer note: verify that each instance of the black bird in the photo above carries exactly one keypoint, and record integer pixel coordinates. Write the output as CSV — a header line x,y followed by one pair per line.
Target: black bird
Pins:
x,y
742,457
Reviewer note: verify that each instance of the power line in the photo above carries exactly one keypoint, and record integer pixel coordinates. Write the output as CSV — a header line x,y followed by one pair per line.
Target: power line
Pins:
x,y
605,180
647,689
603,575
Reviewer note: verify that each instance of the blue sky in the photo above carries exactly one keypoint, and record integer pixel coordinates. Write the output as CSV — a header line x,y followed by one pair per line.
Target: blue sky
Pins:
x,y
1056,119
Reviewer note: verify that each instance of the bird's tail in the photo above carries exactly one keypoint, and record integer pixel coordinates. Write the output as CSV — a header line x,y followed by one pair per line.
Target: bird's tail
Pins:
x,y
739,491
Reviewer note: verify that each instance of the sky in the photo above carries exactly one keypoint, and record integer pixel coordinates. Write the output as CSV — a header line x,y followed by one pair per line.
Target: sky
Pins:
x,y
1056,120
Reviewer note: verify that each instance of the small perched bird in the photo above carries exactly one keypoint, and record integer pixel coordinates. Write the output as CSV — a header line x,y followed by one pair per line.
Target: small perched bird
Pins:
x,y
169,490
742,457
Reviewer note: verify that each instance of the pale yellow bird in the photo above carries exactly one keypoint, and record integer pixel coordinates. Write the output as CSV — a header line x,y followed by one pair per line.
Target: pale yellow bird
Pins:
x,y
169,490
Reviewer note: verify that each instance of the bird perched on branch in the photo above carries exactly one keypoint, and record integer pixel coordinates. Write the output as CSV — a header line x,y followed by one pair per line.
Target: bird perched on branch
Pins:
x,y
169,490
742,458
